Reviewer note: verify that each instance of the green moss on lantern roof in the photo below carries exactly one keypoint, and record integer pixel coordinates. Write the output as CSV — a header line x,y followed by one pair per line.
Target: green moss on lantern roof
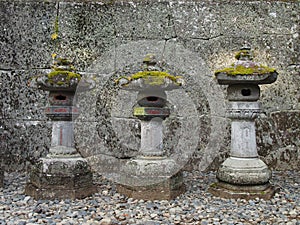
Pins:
x,y
145,74
155,77
243,70
68,74
63,77
63,72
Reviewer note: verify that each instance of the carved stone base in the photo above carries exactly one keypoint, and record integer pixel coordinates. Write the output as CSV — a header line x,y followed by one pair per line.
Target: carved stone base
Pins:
x,y
225,190
60,178
168,189
58,193
244,171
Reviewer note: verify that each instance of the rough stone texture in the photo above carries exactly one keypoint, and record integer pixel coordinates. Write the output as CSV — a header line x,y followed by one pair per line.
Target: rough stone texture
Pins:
x,y
243,171
243,192
110,39
278,139
168,189
18,101
60,178
25,38
23,142
85,31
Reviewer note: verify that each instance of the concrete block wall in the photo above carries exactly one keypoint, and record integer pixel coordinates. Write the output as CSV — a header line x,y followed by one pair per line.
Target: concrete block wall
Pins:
x,y
107,39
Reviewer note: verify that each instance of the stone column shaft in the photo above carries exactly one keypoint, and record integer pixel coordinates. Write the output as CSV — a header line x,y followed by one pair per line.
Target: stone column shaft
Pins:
x,y
62,141
62,134
243,135
152,137
243,139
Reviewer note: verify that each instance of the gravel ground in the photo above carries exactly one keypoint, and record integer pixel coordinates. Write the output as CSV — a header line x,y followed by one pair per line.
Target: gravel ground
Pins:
x,y
196,206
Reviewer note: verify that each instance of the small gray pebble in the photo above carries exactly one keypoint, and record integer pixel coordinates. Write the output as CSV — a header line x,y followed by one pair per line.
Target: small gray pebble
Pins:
x,y
22,223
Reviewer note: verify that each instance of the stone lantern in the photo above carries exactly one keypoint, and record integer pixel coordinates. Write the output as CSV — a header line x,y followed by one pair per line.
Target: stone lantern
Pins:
x,y
63,173
243,174
151,175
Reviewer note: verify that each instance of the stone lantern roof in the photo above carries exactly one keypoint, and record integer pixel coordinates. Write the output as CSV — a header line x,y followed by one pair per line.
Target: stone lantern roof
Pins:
x,y
246,71
150,78
62,76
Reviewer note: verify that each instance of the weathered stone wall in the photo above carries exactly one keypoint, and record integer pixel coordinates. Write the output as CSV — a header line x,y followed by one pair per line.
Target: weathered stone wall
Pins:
x,y
109,39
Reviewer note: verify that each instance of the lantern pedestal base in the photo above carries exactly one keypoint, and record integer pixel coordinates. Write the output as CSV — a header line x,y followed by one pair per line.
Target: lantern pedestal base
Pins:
x,y
225,190
151,178
246,178
167,189
244,171
58,192
60,178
